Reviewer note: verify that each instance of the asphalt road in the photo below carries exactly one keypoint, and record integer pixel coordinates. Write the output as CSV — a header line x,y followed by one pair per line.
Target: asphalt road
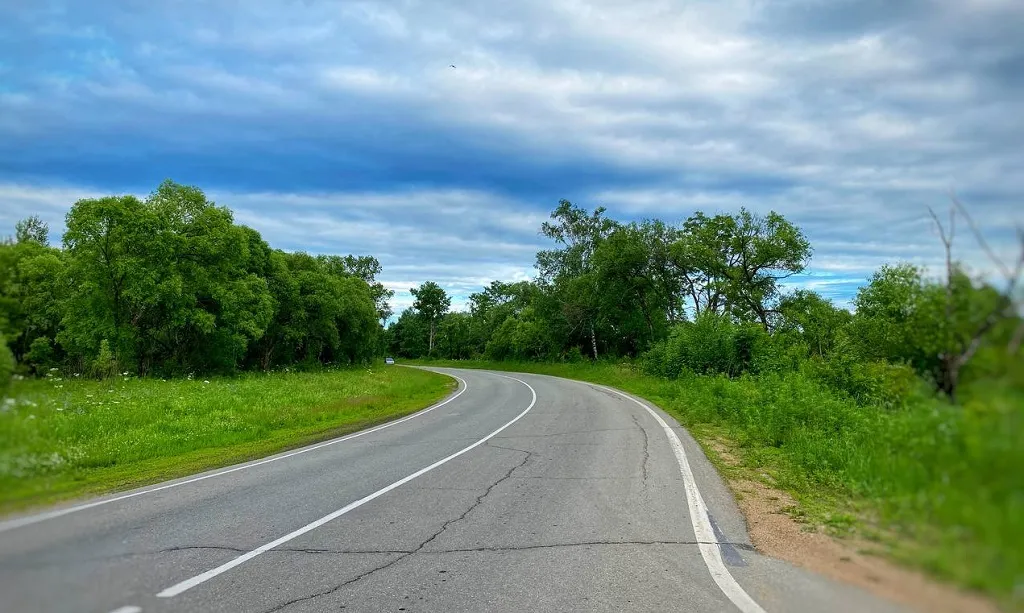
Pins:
x,y
520,493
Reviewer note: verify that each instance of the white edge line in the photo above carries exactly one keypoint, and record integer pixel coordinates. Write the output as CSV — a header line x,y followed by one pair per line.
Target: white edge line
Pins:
x,y
127,610
34,519
188,584
699,518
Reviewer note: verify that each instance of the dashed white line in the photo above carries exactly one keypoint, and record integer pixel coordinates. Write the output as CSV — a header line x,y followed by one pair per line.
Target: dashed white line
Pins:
x,y
188,584
34,519
127,610
699,518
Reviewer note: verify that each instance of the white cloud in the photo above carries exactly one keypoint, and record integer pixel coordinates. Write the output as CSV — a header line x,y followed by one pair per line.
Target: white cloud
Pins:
x,y
847,116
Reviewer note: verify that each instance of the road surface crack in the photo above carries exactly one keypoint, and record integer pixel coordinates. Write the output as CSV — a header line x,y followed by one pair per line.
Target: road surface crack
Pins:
x,y
647,453
479,500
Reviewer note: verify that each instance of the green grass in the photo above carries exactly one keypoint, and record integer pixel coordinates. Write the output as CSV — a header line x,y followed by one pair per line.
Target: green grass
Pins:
x,y
938,487
64,438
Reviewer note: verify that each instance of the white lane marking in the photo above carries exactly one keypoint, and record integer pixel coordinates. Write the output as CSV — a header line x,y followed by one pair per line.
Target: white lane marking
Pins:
x,y
34,519
127,610
188,584
699,518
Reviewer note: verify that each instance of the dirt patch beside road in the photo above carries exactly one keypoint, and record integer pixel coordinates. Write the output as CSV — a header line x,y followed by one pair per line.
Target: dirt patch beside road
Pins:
x,y
775,532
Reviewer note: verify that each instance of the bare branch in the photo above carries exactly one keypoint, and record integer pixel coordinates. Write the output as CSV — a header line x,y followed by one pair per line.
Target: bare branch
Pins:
x,y
981,239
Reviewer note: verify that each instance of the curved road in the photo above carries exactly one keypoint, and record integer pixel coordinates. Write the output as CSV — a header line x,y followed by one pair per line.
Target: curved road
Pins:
x,y
519,493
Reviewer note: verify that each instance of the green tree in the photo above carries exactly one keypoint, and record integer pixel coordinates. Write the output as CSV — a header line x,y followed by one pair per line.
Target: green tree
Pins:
x,y
432,303
108,243
935,327
568,270
455,334
31,293
632,294
818,322
734,262
409,334
520,337
32,229
166,281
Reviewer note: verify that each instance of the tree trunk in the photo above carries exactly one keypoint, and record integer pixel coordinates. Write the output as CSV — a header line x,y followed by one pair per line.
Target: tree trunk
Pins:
x,y
266,358
593,341
430,343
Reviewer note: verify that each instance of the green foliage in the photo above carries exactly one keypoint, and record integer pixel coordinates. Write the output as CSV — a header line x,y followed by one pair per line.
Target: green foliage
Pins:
x,y
711,344
877,384
31,293
6,366
815,320
431,303
733,263
105,365
521,337
32,229
41,356
904,317
171,285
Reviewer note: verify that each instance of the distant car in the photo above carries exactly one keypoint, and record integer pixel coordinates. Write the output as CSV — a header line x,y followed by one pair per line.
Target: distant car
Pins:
x,y
389,360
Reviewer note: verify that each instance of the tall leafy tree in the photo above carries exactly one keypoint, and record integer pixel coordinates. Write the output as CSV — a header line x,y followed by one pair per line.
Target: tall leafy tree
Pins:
x,y
31,290
763,251
110,245
632,292
432,303
733,263
569,268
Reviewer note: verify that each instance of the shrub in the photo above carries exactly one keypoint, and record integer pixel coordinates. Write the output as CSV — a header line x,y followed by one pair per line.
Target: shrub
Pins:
x,y
41,356
778,353
714,344
105,365
878,383
573,355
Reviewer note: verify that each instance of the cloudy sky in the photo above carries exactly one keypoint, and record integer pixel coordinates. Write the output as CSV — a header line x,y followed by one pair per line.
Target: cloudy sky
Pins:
x,y
341,127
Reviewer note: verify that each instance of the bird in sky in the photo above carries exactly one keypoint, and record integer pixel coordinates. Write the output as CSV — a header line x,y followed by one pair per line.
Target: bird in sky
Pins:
x,y
452,65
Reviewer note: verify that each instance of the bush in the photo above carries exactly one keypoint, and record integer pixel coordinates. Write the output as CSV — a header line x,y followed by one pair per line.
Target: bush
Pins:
x,y
879,383
105,365
573,355
6,366
714,344
41,356
778,353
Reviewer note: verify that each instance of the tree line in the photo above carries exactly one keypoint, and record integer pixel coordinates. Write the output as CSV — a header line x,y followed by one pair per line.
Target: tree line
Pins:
x,y
170,284
707,296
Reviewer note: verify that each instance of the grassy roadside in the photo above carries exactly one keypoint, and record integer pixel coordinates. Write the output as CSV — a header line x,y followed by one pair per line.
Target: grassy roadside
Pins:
x,y
935,487
64,438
